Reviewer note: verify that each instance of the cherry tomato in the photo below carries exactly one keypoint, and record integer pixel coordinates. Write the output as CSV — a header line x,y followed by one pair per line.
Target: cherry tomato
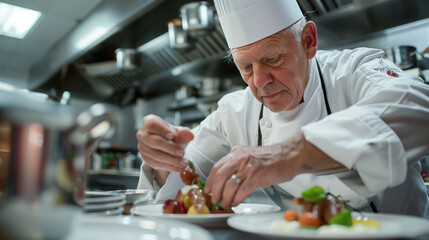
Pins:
x,y
172,206
187,176
291,215
169,206
307,219
198,199
193,191
180,208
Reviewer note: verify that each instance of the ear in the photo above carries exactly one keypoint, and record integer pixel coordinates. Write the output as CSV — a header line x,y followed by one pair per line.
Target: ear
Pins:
x,y
309,39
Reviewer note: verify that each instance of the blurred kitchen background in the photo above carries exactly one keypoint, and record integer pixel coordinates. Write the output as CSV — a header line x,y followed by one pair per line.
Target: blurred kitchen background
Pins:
x,y
166,57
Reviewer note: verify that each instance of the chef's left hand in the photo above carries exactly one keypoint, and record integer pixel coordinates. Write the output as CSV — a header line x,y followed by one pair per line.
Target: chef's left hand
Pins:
x,y
246,169
243,162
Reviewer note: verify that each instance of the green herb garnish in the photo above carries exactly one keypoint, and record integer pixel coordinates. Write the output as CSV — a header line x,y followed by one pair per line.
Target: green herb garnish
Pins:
x,y
314,194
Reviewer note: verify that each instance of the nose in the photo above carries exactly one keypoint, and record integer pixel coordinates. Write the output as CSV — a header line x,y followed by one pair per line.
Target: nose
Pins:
x,y
261,76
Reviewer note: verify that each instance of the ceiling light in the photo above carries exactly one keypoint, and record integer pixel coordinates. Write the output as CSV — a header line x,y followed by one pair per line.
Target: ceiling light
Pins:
x,y
16,21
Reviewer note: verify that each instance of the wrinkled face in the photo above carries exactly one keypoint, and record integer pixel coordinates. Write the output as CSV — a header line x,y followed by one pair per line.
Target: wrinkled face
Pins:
x,y
276,69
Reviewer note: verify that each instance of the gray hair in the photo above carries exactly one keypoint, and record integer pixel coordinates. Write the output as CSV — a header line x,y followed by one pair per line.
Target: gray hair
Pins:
x,y
294,29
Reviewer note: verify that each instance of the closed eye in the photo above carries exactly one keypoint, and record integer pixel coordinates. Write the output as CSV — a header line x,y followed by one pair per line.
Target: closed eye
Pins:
x,y
273,59
247,69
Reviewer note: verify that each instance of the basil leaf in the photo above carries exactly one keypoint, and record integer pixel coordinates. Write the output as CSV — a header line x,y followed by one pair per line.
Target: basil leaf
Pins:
x,y
343,218
314,194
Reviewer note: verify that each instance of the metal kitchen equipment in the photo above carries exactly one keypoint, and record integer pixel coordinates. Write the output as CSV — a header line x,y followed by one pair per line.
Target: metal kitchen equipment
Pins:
x,y
177,35
197,18
184,92
209,86
405,57
46,153
127,59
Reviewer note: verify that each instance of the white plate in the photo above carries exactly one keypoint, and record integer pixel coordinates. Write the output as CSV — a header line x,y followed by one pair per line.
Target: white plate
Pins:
x,y
208,220
110,212
391,226
102,197
103,206
133,228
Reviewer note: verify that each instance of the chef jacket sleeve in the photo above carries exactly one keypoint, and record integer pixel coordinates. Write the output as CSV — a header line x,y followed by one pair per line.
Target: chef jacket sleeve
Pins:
x,y
210,143
168,191
378,121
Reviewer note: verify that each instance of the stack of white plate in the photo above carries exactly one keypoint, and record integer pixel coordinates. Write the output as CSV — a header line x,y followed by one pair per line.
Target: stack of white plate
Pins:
x,y
105,203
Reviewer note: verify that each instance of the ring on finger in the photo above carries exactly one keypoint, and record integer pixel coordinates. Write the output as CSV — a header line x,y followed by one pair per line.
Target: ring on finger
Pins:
x,y
235,178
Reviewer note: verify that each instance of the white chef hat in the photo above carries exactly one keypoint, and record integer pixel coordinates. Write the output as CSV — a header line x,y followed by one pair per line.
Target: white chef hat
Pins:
x,y
247,21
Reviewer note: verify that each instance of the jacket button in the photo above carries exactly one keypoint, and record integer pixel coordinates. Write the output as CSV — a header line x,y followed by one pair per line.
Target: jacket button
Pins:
x,y
268,124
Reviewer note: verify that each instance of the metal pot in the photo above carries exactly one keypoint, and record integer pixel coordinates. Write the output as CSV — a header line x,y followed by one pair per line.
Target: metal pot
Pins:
x,y
177,36
184,92
127,59
209,87
197,17
44,158
405,57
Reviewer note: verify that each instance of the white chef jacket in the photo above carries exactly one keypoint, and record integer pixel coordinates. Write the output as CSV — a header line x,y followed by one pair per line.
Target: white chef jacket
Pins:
x,y
377,129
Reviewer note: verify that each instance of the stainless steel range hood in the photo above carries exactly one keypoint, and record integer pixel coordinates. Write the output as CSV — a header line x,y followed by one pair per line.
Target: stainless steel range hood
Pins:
x,y
109,18
362,19
163,68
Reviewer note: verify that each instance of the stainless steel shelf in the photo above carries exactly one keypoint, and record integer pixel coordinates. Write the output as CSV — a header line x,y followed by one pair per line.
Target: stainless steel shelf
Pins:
x,y
131,172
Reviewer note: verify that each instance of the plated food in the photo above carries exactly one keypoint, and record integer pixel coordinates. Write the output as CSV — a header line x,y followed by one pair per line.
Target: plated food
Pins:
x,y
391,227
333,221
191,199
325,213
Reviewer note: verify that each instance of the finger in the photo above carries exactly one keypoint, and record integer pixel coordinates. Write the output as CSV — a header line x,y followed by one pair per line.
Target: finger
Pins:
x,y
160,160
159,143
220,177
157,126
208,188
252,179
212,177
229,191
244,190
184,135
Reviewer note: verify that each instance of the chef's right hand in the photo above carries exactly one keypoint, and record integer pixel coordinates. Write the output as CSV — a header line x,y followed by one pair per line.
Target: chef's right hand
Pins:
x,y
162,145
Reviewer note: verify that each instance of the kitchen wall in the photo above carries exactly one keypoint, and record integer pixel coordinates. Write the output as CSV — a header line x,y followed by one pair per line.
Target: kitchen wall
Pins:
x,y
157,105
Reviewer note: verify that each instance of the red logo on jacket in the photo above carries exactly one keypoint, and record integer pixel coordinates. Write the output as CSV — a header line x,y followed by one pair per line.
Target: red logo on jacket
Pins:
x,y
384,68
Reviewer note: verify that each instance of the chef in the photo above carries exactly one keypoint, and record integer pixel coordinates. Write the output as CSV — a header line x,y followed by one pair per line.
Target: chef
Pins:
x,y
349,121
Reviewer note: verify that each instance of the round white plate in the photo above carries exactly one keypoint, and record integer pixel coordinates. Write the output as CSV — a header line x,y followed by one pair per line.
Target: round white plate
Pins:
x,y
103,206
391,226
204,219
134,228
102,197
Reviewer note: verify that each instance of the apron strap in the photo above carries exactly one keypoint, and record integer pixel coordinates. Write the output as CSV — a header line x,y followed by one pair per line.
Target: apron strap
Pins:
x,y
261,113
322,81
